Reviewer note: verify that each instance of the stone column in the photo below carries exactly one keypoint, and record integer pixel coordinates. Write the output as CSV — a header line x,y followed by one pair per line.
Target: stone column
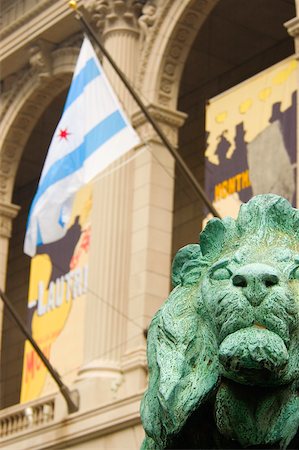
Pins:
x,y
293,29
106,314
154,178
121,36
8,212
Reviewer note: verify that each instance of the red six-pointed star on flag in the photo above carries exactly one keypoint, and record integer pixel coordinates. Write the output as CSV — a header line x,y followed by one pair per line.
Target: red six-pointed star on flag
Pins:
x,y
63,134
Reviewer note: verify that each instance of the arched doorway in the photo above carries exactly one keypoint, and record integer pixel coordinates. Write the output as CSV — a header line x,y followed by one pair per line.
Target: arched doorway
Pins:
x,y
18,266
238,40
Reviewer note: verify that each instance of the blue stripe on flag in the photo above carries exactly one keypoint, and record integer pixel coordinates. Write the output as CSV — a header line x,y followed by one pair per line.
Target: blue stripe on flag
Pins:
x,y
39,239
88,73
72,162
60,220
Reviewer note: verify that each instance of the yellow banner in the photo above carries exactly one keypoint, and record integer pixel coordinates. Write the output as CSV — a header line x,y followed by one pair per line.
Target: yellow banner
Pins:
x,y
251,139
56,302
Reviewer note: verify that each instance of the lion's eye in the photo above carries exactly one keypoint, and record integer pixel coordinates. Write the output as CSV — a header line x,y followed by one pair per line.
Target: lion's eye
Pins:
x,y
221,274
295,274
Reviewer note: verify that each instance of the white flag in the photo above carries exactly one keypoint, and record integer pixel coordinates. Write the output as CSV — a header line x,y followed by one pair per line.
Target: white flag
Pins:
x,y
92,133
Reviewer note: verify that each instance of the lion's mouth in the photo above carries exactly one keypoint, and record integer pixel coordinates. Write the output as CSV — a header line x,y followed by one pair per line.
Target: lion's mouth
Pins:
x,y
259,325
253,353
277,313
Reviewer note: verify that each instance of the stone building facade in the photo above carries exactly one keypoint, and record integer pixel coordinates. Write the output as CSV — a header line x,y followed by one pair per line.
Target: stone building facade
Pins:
x,y
177,54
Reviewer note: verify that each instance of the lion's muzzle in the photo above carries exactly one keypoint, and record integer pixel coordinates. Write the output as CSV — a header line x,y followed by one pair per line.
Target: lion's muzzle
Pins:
x,y
253,356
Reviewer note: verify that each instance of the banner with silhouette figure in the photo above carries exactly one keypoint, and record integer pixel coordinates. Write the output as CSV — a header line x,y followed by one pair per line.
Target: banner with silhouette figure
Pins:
x,y
251,139
56,303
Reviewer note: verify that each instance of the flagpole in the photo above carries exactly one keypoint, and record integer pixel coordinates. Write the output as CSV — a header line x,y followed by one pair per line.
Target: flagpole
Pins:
x,y
71,397
179,160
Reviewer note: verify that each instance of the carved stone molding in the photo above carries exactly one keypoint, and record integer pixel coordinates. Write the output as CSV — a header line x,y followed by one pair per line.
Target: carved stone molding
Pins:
x,y
45,61
24,18
99,369
178,49
161,13
182,31
75,41
109,15
134,359
26,96
168,119
98,10
147,20
40,58
19,132
8,212
11,85
65,57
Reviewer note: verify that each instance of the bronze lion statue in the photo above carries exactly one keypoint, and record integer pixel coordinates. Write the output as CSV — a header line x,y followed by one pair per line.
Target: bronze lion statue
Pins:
x,y
223,351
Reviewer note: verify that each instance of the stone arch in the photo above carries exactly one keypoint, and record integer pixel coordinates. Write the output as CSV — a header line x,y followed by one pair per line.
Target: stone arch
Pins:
x,y
167,48
23,105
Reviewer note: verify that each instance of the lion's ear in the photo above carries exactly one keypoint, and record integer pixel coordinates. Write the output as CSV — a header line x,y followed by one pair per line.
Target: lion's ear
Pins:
x,y
212,237
183,364
186,267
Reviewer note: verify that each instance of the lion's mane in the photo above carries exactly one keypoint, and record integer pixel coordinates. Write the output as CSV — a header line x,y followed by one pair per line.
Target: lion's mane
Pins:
x,y
183,360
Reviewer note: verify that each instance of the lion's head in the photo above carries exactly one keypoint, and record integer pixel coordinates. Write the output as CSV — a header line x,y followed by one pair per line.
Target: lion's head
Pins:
x,y
233,315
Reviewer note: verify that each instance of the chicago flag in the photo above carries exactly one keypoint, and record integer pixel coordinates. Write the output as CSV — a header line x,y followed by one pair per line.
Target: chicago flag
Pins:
x,y
92,133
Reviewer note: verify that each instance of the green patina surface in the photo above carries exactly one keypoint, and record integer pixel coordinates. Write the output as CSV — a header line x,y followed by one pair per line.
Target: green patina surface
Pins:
x,y
223,350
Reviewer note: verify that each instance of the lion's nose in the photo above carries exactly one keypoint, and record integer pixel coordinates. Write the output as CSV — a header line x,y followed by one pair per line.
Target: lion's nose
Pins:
x,y
255,281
